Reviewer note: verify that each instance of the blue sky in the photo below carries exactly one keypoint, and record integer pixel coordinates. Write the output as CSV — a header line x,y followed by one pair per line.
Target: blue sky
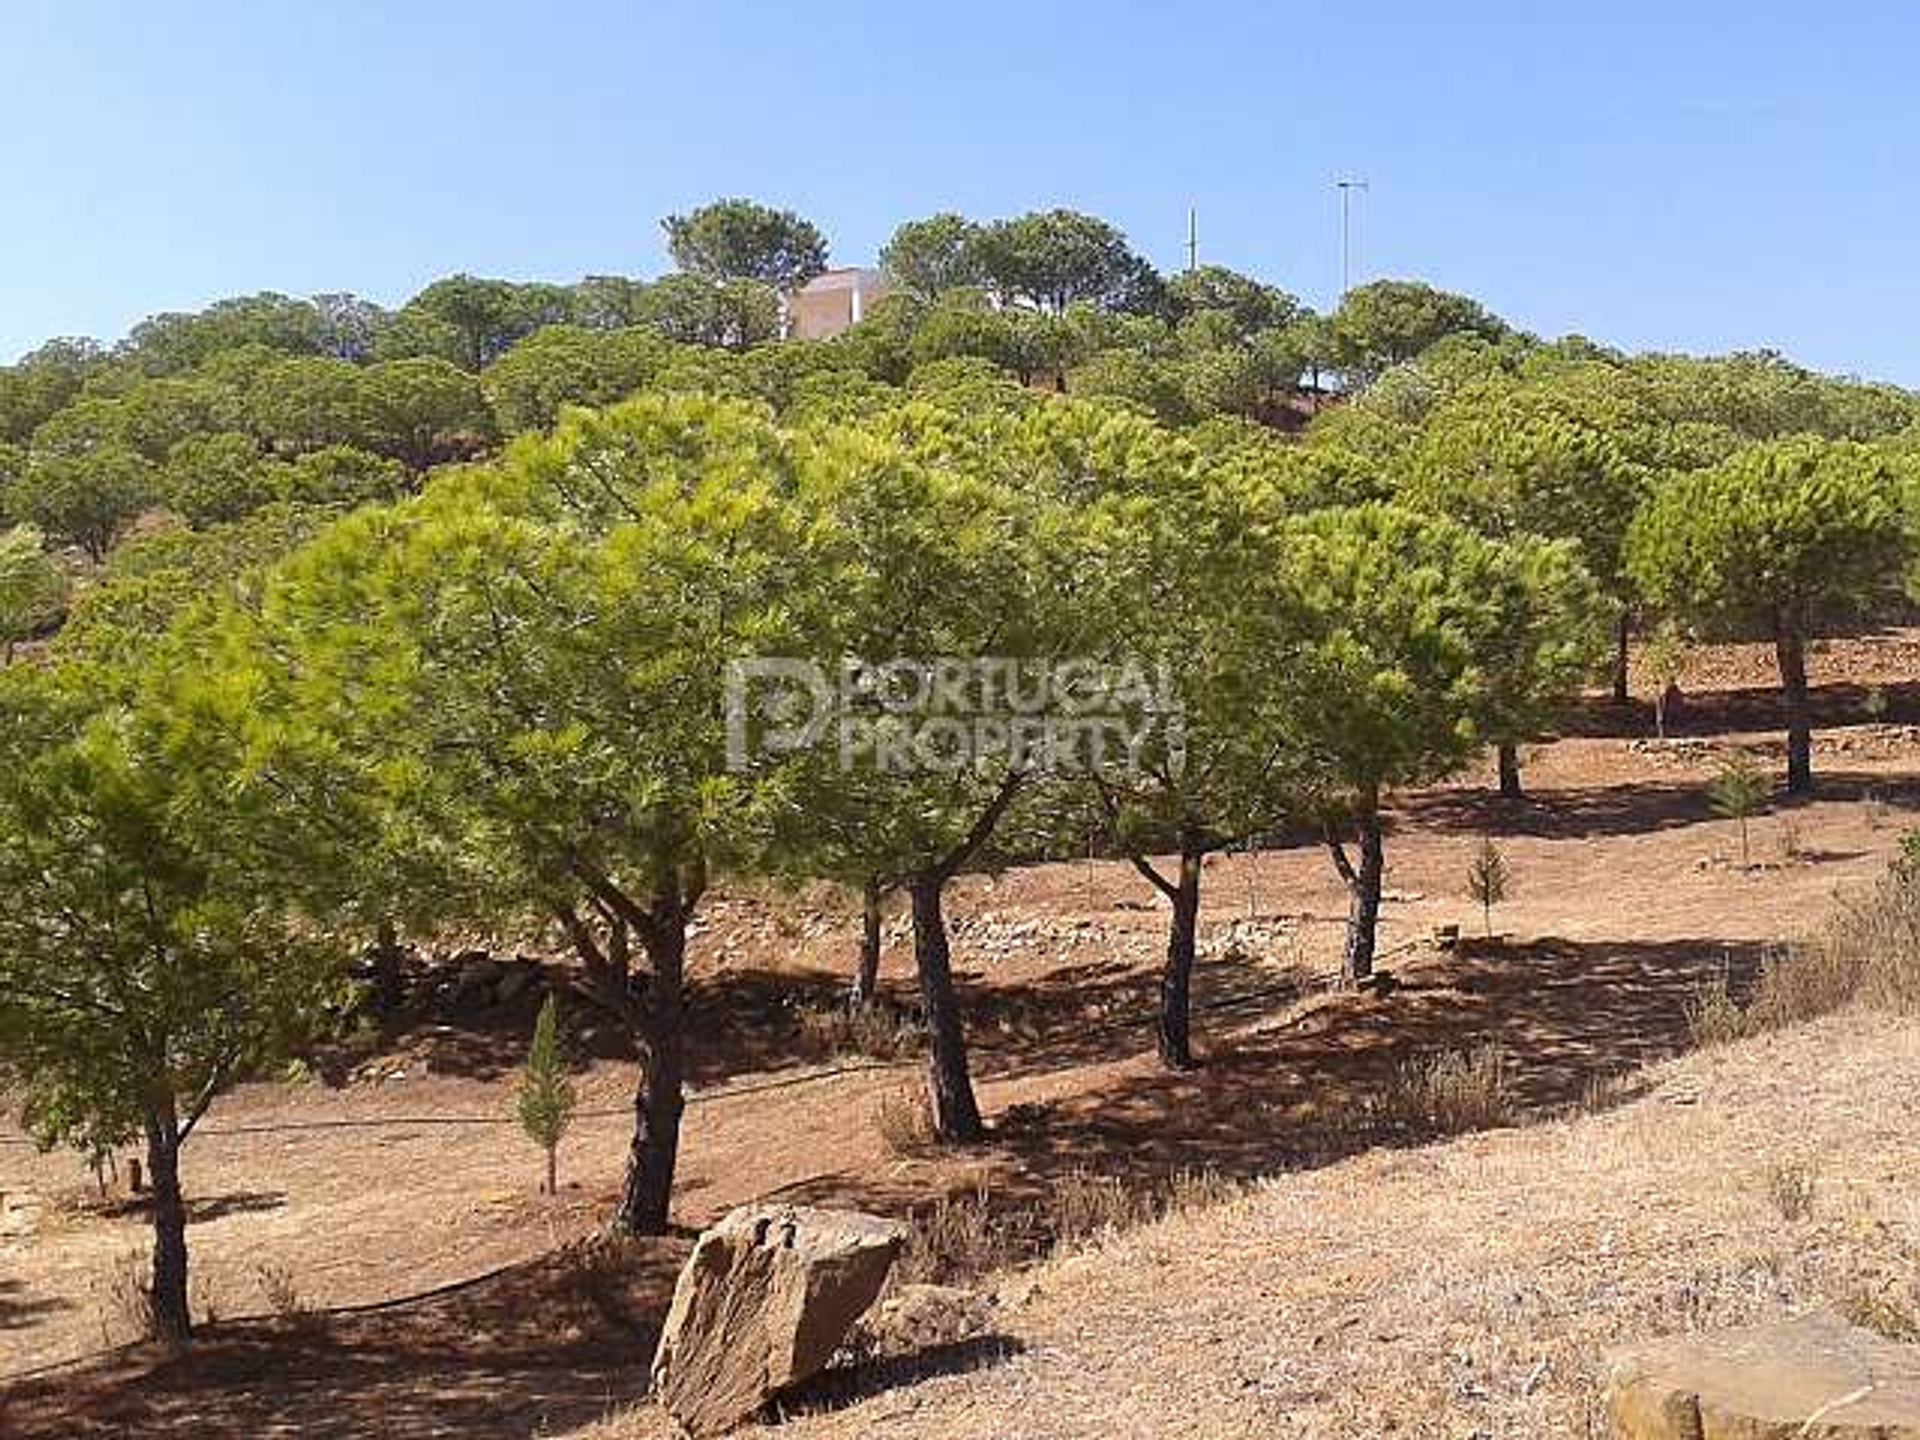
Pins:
x,y
1700,176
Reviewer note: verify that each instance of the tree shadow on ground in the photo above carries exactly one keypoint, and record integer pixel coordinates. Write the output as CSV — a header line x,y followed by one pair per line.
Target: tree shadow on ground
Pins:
x,y
841,1385
19,1308
1095,1012
1726,712
1312,1087
739,1021
542,1348
1640,807
559,1342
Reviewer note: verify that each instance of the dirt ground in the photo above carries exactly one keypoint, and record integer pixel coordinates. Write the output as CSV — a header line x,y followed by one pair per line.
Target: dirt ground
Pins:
x,y
1628,895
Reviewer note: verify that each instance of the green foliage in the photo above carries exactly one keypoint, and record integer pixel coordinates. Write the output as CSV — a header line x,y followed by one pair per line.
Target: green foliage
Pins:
x,y
423,411
1506,466
700,310
33,589
1422,639
741,240
140,970
932,256
307,402
86,499
150,582
1737,792
212,479
172,343
544,1101
483,318
563,365
1249,306
1056,258
1384,323
1665,659
1154,386
1787,525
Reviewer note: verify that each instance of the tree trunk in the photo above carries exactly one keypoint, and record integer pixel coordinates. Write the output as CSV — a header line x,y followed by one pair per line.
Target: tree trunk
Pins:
x,y
171,1320
1510,771
956,1116
647,1192
866,979
1363,912
553,1170
1176,978
388,991
1622,630
1790,645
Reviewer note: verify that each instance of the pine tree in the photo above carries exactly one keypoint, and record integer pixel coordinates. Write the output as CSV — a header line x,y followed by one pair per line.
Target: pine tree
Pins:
x,y
1737,792
1488,879
546,1100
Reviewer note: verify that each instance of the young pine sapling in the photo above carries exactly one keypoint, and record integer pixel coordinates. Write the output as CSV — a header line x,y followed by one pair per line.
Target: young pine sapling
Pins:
x,y
545,1100
1488,879
1737,793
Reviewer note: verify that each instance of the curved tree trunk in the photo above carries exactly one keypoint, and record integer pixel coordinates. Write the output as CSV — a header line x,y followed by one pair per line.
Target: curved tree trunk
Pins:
x,y
171,1320
647,1191
866,979
956,1115
1622,630
1790,646
1510,788
1363,911
1176,976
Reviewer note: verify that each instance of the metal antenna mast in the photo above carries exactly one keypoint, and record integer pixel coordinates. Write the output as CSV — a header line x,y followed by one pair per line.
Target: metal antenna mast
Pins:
x,y
1193,238
1346,188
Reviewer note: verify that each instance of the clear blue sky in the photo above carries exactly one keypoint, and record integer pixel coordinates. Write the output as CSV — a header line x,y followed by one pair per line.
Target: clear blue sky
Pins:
x,y
1697,176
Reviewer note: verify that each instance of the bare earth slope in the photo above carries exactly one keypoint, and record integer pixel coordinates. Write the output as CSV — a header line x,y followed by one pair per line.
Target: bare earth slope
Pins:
x,y
1464,1289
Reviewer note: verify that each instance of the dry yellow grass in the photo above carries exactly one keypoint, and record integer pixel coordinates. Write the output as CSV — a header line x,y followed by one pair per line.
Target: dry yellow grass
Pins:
x,y
1469,1288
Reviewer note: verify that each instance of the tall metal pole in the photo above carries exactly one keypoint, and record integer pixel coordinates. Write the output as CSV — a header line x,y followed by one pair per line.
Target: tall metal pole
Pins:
x,y
1193,238
1346,188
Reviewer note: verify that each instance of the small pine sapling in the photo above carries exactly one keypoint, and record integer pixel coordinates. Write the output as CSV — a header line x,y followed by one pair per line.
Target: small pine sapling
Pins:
x,y
545,1100
1737,793
1488,879
1666,658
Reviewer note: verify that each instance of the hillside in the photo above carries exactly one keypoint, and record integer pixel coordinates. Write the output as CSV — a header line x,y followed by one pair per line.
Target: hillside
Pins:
x,y
1467,1288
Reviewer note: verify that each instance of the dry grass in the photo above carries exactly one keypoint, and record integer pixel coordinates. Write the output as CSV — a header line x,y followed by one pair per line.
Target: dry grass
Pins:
x,y
122,1300
1452,1093
877,1030
904,1118
1714,1017
1789,1186
957,1238
1471,1287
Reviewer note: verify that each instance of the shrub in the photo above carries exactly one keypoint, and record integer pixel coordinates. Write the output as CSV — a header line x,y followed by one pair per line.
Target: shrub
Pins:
x,y
1790,1186
1455,1092
905,1119
1714,1017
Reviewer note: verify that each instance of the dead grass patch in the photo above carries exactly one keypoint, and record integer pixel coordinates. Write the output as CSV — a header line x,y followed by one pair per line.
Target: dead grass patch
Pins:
x,y
904,1118
1454,1092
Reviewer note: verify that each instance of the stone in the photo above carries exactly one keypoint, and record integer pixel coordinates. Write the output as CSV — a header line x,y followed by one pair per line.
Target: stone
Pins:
x,y
1814,1378
763,1302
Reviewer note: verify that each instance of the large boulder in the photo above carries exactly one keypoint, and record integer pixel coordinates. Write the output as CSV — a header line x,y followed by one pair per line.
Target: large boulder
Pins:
x,y
765,1299
1815,1378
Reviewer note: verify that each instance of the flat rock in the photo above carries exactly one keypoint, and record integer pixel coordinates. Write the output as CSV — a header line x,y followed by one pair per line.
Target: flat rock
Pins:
x,y
765,1299
1815,1378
